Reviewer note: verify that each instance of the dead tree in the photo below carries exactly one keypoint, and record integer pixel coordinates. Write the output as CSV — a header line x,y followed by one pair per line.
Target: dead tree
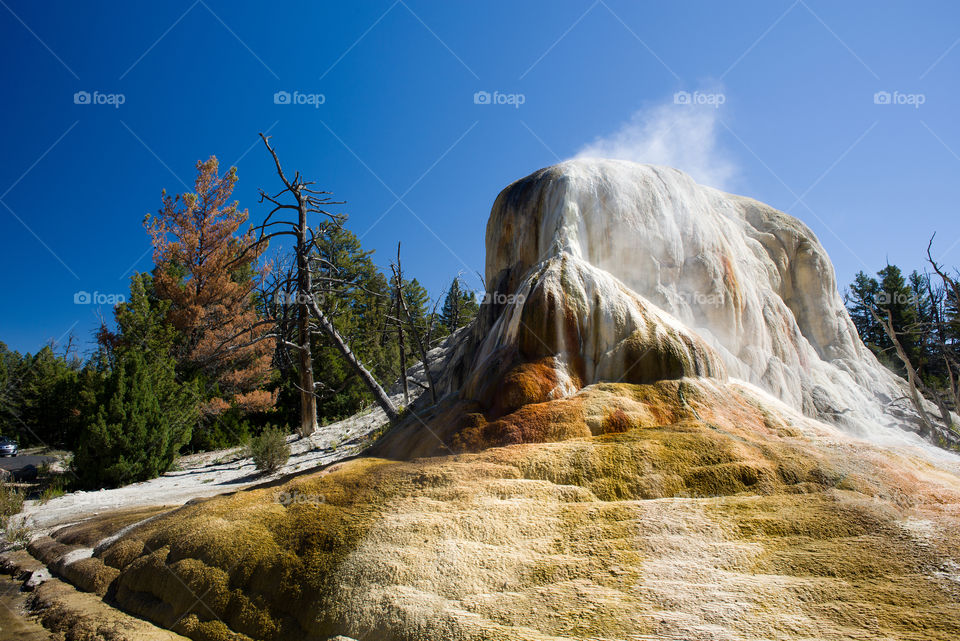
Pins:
x,y
947,350
914,382
301,197
421,337
401,343
918,389
277,289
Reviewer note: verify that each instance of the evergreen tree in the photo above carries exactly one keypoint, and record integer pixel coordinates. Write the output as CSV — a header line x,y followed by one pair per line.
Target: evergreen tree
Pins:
x,y
139,415
915,310
927,354
10,367
951,314
459,308
134,436
142,323
861,296
206,267
418,304
47,410
896,299
357,302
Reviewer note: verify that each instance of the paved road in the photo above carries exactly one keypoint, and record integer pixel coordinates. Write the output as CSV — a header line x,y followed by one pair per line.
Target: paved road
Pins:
x,y
16,463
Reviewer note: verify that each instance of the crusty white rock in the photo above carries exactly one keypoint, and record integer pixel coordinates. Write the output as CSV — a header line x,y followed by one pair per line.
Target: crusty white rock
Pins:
x,y
734,285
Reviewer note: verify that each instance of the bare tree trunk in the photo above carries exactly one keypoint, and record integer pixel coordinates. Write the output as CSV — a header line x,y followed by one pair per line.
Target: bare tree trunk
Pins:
x,y
402,343
950,285
913,380
947,280
310,201
378,394
402,305
308,399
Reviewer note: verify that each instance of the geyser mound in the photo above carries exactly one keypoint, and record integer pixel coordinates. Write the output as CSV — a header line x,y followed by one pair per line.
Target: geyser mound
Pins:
x,y
608,270
629,447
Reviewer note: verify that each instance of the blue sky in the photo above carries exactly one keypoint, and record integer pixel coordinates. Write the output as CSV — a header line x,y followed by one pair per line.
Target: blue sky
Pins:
x,y
400,137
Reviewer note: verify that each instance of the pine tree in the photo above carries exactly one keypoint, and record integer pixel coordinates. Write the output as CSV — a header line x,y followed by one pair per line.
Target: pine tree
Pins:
x,y
951,316
923,329
459,308
357,303
908,304
136,433
896,299
138,415
47,405
418,302
206,267
10,370
142,323
862,295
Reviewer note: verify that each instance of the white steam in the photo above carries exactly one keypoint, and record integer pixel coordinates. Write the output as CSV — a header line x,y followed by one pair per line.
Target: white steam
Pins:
x,y
683,136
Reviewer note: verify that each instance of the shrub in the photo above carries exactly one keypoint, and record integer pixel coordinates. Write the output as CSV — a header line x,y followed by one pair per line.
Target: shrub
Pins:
x,y
56,487
144,418
11,501
269,450
226,430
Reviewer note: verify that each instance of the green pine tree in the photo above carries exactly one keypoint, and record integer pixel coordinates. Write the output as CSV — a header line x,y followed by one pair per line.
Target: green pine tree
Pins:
x,y
145,415
861,296
460,307
132,437
10,369
896,298
906,302
47,410
358,304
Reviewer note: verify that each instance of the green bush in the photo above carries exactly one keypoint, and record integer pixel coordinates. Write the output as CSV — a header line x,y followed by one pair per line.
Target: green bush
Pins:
x,y
144,418
229,429
269,450
11,502
56,486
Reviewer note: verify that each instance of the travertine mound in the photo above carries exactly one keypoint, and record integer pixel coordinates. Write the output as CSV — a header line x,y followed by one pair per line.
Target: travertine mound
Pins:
x,y
583,254
699,510
632,446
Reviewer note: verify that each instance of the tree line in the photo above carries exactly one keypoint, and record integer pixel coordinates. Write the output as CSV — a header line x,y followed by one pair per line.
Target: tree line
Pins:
x,y
912,324
227,335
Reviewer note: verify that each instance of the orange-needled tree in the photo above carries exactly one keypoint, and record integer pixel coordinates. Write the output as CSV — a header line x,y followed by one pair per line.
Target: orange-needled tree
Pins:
x,y
211,283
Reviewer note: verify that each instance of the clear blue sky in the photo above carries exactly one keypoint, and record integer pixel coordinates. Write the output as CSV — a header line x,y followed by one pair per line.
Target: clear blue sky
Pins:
x,y
399,121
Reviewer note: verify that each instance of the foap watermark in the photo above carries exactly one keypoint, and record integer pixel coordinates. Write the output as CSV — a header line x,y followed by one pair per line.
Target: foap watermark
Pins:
x,y
83,297
498,98
499,298
299,98
699,98
701,299
298,498
885,299
896,98
289,299
98,98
